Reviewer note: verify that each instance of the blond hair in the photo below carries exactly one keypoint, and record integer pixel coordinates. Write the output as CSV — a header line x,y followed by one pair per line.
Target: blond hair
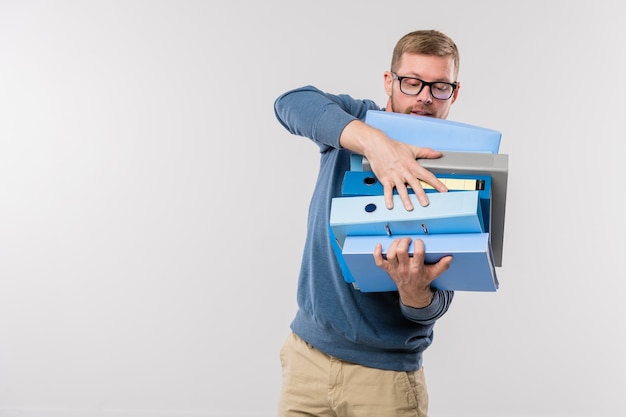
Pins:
x,y
426,42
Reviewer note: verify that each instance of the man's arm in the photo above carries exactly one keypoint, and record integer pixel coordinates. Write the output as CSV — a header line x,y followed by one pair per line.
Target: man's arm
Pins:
x,y
319,116
439,305
337,121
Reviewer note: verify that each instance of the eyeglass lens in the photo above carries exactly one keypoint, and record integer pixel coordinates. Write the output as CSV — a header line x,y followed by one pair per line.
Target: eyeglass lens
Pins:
x,y
413,86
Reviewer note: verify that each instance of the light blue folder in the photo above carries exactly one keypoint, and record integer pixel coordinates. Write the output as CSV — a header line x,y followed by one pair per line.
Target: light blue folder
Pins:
x,y
457,212
472,267
439,134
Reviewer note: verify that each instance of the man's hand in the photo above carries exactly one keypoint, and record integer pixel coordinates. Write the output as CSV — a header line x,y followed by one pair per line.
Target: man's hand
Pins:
x,y
393,162
411,275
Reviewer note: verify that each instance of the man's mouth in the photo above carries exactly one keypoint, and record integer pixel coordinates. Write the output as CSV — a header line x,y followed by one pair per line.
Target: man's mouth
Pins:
x,y
420,113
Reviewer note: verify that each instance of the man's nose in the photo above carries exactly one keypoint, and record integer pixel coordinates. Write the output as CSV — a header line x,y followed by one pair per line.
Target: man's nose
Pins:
x,y
424,96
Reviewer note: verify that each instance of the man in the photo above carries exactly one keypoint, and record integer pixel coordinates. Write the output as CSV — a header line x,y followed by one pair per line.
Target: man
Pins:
x,y
352,353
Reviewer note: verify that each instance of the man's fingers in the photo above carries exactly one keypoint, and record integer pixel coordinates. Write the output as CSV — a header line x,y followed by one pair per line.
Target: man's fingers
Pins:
x,y
441,266
404,196
378,255
402,192
402,249
419,192
388,193
431,179
418,250
427,153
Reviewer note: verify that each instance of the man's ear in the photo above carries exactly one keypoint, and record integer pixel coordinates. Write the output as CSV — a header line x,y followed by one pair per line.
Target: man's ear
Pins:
x,y
456,92
388,83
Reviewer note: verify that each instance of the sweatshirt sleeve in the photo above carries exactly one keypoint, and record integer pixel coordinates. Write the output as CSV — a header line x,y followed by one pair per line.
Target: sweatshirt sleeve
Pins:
x,y
319,116
428,315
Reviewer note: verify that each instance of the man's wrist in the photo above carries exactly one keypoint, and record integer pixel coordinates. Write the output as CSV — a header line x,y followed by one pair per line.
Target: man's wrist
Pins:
x,y
421,300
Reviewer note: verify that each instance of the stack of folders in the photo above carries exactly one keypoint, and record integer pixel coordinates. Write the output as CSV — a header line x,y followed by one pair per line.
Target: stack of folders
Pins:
x,y
458,223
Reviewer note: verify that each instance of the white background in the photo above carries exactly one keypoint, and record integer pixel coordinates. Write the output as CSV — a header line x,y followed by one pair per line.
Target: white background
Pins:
x,y
152,209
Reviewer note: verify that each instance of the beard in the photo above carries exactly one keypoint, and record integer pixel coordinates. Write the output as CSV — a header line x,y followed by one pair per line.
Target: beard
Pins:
x,y
415,107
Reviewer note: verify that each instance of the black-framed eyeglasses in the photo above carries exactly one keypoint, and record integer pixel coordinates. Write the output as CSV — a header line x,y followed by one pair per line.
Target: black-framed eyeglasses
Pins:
x,y
412,86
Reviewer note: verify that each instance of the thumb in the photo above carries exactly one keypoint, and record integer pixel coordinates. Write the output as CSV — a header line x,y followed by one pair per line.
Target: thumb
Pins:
x,y
427,153
442,265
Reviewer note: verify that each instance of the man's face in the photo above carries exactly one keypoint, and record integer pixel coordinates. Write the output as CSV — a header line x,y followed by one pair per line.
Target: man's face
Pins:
x,y
427,68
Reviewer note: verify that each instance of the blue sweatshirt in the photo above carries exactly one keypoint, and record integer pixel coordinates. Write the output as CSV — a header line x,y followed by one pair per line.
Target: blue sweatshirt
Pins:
x,y
371,329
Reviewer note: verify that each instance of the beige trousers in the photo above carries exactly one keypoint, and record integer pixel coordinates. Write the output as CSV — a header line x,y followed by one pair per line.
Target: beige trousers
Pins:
x,y
318,385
